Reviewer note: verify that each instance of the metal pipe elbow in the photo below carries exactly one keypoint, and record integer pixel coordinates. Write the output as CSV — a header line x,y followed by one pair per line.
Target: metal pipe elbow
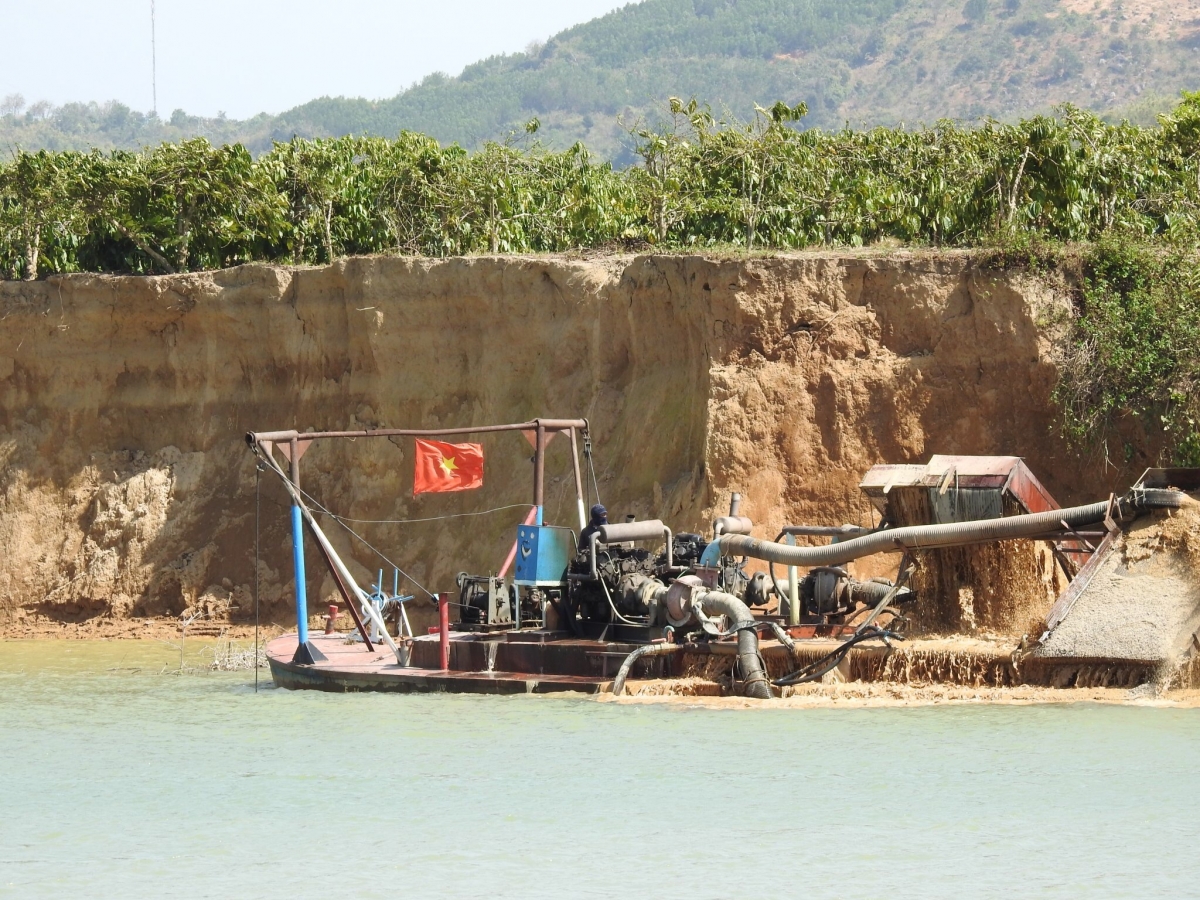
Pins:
x,y
754,675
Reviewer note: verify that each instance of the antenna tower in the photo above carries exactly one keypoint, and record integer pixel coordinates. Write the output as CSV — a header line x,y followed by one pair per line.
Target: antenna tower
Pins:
x,y
153,60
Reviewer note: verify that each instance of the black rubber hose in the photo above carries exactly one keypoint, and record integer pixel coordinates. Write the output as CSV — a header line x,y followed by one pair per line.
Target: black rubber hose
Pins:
x,y
869,593
640,653
816,670
957,534
754,677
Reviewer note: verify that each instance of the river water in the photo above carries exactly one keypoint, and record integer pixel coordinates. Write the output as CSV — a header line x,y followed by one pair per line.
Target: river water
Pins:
x,y
117,780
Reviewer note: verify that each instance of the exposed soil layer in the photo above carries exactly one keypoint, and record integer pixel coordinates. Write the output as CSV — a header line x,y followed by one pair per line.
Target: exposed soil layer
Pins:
x,y
126,489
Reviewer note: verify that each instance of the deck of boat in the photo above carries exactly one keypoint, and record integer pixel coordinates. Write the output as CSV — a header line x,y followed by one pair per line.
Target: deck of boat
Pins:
x,y
349,666
539,662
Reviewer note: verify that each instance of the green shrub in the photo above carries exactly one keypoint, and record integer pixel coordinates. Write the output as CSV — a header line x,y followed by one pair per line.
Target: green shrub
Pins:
x,y
1134,350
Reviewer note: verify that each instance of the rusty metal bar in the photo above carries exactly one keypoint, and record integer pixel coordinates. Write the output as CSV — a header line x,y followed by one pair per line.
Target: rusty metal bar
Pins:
x,y
444,630
552,425
539,472
299,510
1079,583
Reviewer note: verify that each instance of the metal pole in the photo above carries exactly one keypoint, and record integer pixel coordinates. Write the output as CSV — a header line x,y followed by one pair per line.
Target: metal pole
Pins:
x,y
578,482
153,60
282,437
793,589
539,474
298,554
257,519
331,555
444,621
344,590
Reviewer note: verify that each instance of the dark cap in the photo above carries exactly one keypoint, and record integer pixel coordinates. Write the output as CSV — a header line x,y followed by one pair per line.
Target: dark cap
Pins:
x,y
599,512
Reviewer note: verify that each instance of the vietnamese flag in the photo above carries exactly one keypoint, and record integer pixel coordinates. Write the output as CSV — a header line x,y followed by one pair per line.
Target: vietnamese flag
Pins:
x,y
447,467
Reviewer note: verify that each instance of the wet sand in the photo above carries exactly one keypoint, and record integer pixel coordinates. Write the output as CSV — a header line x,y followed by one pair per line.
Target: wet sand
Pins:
x,y
861,695
105,629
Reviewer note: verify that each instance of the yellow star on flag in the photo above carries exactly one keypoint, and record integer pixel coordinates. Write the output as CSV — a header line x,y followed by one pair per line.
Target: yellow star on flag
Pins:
x,y
443,467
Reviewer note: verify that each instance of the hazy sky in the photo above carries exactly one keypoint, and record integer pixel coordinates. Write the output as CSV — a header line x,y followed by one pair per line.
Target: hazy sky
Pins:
x,y
249,56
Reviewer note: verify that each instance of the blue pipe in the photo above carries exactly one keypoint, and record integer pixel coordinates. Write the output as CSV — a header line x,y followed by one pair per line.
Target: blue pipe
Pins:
x,y
301,590
538,521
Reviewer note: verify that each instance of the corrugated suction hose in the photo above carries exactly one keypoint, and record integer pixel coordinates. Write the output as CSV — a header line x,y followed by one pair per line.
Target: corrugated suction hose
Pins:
x,y
715,603
640,653
957,534
718,603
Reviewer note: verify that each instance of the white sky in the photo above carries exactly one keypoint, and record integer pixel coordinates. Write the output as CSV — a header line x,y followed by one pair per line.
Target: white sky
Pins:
x,y
250,56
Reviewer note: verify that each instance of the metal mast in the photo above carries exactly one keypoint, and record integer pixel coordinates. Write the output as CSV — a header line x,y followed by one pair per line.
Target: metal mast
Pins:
x,y
153,60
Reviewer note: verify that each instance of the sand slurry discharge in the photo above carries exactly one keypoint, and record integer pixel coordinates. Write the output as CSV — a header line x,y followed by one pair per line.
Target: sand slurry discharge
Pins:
x,y
1143,603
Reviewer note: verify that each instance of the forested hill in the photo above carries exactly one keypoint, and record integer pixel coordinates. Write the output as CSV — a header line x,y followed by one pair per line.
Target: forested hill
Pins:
x,y
865,62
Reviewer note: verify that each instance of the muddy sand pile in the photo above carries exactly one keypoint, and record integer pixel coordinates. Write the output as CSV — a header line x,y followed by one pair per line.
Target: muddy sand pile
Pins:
x,y
1144,601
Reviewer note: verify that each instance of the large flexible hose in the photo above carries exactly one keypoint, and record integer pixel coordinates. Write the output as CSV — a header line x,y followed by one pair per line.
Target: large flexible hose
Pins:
x,y
957,534
718,603
871,592
640,653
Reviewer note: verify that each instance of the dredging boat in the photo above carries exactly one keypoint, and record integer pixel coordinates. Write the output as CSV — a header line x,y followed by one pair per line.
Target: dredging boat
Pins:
x,y
593,606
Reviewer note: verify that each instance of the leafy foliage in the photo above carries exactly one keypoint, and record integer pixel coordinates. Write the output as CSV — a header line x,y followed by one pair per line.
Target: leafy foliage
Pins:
x,y
702,181
1134,357
1129,194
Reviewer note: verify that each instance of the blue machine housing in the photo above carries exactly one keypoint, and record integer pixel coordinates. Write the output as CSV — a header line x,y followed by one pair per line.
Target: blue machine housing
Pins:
x,y
543,554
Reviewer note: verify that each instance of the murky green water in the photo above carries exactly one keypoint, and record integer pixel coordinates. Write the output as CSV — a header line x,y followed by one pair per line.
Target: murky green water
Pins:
x,y
117,781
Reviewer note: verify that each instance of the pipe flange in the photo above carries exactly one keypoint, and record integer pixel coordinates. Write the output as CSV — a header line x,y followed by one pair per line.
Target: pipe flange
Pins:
x,y
680,600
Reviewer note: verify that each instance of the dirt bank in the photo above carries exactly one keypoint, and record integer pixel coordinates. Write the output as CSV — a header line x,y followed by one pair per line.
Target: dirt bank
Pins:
x,y
126,489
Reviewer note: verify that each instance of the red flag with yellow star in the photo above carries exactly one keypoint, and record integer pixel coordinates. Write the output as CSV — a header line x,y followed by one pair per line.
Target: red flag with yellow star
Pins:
x,y
447,467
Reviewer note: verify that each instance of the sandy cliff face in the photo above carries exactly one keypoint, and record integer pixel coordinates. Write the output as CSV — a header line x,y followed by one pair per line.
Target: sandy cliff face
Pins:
x,y
126,487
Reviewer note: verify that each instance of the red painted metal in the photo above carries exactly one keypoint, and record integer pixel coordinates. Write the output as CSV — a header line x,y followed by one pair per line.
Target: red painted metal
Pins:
x,y
333,613
1023,485
512,553
444,634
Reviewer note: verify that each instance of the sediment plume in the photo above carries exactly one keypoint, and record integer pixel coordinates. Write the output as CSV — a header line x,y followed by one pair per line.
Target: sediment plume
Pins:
x,y
1003,588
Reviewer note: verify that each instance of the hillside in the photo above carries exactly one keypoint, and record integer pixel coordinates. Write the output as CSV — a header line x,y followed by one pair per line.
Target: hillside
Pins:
x,y
866,62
